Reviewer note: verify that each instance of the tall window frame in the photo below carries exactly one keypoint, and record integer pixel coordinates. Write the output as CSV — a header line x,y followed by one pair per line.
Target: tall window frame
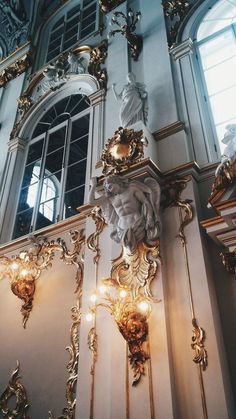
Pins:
x,y
207,91
69,26
66,186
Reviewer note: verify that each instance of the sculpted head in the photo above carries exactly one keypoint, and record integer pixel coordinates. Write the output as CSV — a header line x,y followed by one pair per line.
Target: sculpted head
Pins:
x,y
113,185
131,78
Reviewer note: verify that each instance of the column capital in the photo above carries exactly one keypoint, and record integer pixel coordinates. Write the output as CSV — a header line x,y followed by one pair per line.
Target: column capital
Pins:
x,y
97,97
16,144
183,49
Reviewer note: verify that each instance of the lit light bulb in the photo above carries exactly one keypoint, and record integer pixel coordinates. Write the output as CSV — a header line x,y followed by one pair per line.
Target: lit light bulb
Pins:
x,y
14,266
89,317
103,289
144,306
122,293
24,272
93,298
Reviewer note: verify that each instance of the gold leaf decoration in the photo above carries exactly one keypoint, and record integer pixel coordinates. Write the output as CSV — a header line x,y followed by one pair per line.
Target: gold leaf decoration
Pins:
x,y
17,390
72,257
97,57
171,194
14,70
175,12
108,5
93,346
197,345
100,223
138,269
23,270
122,150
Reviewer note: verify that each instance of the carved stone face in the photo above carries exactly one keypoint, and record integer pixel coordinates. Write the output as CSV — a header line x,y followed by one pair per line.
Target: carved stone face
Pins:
x,y
113,188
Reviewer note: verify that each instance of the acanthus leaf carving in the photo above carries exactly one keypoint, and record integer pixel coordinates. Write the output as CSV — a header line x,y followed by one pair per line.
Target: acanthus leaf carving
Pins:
x,y
15,389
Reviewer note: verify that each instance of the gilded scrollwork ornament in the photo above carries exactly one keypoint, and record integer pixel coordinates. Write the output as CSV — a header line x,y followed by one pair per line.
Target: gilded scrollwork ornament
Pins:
x,y
17,391
97,216
97,57
125,148
15,70
132,321
127,28
171,194
23,270
197,345
138,269
24,104
175,12
107,6
72,257
225,178
229,261
93,346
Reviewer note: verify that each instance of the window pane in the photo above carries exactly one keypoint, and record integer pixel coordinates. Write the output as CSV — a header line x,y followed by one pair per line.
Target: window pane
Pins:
x,y
70,42
59,22
57,33
89,10
42,220
31,174
70,33
23,224
221,77
76,175
54,162
223,105
218,49
53,54
56,140
88,30
72,23
90,19
78,150
80,127
87,2
73,11
219,16
28,197
73,200
35,151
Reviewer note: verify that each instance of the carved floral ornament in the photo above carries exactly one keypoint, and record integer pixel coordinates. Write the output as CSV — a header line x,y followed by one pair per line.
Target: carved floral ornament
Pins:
x,y
79,61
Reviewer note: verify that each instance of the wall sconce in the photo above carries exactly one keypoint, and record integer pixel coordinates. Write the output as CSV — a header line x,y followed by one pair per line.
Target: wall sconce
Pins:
x,y
131,316
127,29
24,269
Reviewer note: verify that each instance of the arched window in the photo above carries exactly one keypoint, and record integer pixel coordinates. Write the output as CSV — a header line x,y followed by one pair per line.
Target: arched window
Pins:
x,y
55,171
75,24
216,49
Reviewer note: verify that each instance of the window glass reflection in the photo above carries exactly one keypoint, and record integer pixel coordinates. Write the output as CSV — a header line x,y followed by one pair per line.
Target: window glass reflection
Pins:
x,y
73,200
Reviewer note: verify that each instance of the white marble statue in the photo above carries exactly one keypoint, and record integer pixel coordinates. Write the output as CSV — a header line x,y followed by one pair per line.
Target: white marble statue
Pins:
x,y
131,207
230,149
75,62
133,102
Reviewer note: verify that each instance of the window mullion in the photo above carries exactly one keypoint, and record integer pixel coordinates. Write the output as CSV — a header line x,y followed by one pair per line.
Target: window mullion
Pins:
x,y
64,168
40,186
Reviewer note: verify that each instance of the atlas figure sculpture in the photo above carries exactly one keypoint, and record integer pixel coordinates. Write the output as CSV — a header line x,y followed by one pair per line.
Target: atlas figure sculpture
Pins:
x,y
131,207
